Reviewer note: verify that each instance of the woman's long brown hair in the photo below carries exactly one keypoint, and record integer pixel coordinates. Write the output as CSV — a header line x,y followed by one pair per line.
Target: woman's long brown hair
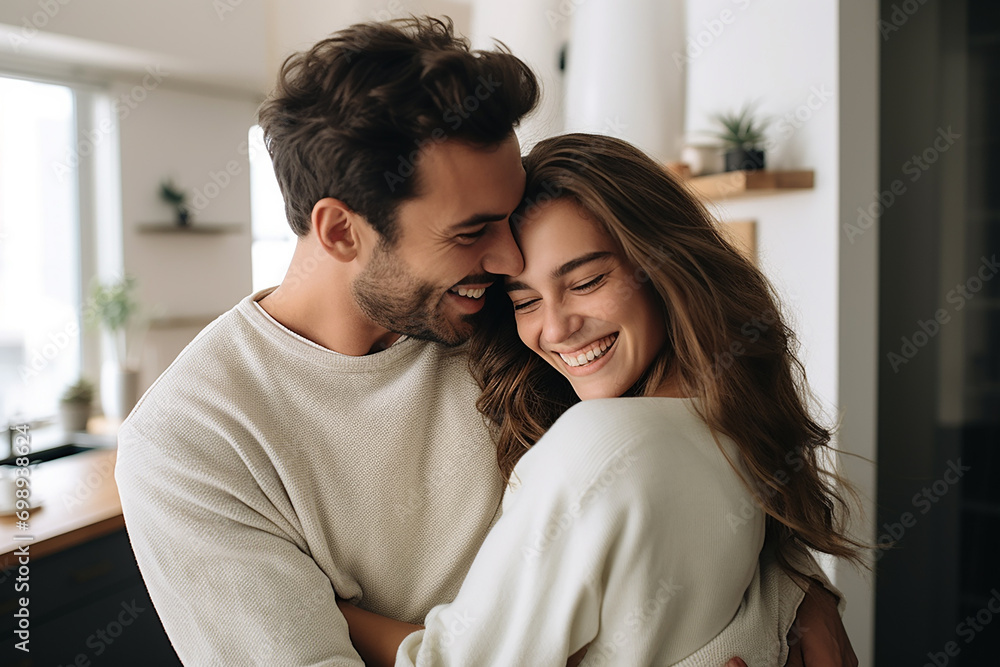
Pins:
x,y
727,343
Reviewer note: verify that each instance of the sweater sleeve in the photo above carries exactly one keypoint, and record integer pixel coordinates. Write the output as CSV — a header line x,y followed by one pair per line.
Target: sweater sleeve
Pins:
x,y
230,583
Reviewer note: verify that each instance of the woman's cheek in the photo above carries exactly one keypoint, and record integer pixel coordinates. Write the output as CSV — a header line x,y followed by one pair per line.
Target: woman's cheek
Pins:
x,y
524,331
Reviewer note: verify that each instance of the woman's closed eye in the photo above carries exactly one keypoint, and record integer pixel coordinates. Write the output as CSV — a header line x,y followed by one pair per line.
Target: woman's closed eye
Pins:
x,y
522,304
590,285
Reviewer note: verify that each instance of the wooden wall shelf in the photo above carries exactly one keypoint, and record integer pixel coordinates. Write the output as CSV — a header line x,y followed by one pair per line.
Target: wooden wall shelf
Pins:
x,y
194,228
735,184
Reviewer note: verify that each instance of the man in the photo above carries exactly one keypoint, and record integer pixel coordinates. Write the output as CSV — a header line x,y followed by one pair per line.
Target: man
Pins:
x,y
321,438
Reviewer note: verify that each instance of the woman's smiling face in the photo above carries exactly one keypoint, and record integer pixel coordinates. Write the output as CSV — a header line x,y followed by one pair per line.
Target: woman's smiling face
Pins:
x,y
578,303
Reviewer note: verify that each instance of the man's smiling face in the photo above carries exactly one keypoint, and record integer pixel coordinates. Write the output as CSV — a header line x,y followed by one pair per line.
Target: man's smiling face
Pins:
x,y
453,240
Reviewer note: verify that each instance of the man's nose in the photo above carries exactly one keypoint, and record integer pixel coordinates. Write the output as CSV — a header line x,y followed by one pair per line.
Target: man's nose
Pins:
x,y
503,257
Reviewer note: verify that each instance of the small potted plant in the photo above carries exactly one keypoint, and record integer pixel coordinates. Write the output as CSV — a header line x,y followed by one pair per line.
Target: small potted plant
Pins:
x,y
176,198
75,405
114,308
743,136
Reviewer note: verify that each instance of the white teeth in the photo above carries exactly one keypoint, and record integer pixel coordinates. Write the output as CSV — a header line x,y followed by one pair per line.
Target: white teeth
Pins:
x,y
471,293
596,351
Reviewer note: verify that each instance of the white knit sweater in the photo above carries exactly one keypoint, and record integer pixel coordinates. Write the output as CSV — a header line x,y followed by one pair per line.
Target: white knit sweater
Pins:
x,y
262,472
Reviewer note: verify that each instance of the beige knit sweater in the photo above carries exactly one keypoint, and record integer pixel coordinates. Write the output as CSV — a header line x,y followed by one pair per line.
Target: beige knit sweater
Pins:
x,y
262,472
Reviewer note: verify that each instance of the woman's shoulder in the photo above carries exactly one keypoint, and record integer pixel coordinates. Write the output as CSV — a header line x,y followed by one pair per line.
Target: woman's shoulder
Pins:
x,y
623,420
665,433
654,453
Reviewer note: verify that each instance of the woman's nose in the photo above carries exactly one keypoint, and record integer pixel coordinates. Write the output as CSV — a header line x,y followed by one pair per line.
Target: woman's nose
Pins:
x,y
560,324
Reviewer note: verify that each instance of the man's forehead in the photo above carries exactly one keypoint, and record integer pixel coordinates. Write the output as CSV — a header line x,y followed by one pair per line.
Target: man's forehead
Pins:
x,y
458,181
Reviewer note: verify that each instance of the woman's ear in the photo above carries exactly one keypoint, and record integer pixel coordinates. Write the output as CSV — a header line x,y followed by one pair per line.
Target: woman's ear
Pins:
x,y
335,226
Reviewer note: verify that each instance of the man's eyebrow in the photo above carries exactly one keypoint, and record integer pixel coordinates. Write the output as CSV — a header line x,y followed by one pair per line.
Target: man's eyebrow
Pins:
x,y
477,219
572,264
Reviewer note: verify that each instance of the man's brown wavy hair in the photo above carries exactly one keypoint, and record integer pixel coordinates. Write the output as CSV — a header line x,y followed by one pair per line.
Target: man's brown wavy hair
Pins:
x,y
348,117
712,298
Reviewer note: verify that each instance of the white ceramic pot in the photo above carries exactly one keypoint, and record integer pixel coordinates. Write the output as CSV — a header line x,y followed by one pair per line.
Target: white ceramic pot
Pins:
x,y
119,390
703,159
74,416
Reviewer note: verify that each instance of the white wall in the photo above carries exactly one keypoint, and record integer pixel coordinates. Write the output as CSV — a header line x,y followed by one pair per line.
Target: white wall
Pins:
x,y
294,25
810,66
620,78
535,30
200,142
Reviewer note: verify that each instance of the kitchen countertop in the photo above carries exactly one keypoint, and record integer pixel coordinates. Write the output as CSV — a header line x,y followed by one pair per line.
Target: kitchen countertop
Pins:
x,y
75,500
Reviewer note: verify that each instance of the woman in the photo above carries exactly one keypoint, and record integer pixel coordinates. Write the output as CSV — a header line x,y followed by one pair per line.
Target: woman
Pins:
x,y
650,420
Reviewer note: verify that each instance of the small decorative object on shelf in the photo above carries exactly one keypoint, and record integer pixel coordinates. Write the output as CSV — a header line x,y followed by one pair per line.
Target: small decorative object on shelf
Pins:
x,y
178,199
743,136
75,405
702,158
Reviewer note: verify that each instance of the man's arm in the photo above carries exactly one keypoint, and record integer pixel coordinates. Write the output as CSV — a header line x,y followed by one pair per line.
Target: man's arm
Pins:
x,y
818,637
226,573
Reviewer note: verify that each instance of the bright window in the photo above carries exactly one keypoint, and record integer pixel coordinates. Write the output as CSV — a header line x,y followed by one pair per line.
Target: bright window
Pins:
x,y
273,240
40,278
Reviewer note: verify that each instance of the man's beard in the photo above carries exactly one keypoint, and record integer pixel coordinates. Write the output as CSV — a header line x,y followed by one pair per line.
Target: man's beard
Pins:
x,y
393,299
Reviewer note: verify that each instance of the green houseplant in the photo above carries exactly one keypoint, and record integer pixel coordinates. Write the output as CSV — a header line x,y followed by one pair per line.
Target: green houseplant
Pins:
x,y
114,308
743,135
177,198
75,405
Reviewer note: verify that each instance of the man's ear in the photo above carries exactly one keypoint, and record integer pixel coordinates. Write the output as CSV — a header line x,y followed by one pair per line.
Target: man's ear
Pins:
x,y
335,226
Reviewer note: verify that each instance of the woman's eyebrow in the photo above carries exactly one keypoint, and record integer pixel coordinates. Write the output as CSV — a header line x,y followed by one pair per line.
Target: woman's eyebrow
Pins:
x,y
580,261
572,264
